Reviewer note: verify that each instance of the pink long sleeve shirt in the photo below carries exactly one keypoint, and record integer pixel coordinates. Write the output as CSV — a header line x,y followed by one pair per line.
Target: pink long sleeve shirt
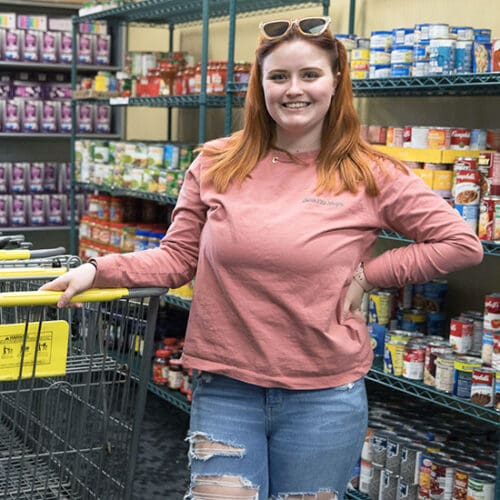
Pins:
x,y
273,263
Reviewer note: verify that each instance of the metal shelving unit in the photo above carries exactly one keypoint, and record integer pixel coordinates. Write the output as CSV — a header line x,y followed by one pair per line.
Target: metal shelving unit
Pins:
x,y
143,195
63,68
445,85
179,302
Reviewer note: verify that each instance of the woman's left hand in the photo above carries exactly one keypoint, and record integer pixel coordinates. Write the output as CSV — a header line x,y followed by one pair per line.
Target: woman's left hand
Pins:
x,y
353,298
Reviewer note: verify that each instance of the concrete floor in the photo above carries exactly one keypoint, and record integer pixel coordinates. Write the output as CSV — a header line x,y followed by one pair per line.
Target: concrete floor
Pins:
x,y
162,465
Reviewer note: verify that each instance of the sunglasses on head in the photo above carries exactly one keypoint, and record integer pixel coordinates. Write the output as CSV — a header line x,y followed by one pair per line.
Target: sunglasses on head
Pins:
x,y
307,26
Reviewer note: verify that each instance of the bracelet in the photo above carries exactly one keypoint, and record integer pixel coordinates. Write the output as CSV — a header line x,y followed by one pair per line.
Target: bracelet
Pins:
x,y
360,278
93,262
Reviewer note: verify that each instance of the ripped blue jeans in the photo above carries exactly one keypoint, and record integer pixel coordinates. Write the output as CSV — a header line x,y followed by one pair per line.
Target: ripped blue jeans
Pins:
x,y
255,443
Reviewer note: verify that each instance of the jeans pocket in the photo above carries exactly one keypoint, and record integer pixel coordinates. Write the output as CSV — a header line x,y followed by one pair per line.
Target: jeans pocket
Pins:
x,y
347,387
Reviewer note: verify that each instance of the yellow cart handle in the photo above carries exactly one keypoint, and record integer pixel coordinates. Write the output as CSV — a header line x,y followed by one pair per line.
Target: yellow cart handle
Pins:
x,y
15,254
31,272
50,298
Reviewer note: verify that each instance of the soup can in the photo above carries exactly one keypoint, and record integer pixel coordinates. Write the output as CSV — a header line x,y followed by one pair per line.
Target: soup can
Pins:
x,y
481,486
439,30
442,477
432,351
445,367
393,357
492,312
461,332
462,376
482,390
414,360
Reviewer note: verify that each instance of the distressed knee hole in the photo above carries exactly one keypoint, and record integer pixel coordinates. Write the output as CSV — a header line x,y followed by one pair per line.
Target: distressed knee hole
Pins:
x,y
203,448
223,487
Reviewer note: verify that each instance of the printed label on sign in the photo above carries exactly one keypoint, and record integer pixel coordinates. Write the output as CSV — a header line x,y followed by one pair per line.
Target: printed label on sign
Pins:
x,y
50,347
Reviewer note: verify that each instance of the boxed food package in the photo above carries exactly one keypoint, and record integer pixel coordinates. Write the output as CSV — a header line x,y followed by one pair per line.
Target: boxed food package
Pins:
x,y
48,120
103,119
50,177
18,210
4,177
12,115
37,209
12,39
31,116
65,47
5,210
85,48
56,209
36,176
85,118
49,48
64,117
31,41
102,49
18,180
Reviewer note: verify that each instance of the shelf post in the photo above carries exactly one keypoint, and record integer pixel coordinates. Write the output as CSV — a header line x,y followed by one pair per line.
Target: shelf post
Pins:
x,y
352,15
326,7
204,67
171,28
230,68
72,211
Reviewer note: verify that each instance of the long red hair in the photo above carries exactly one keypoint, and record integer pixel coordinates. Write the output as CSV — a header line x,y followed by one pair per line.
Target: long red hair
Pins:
x,y
345,159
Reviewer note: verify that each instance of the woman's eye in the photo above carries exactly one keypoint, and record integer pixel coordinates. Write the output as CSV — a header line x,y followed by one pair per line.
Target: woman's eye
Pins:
x,y
310,75
277,76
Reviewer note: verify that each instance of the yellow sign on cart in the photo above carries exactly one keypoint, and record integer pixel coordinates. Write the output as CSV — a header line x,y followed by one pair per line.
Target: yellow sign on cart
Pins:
x,y
50,346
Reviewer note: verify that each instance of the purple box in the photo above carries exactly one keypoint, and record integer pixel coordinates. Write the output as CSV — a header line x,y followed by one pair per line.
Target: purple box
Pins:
x,y
50,178
12,45
31,116
4,177
85,118
65,48
36,177
50,112
64,117
102,49
57,209
18,180
103,119
50,44
27,89
56,90
5,87
31,45
85,48
5,210
18,210
12,114
37,210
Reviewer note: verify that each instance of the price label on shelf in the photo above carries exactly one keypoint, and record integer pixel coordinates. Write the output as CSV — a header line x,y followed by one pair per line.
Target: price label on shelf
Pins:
x,y
118,101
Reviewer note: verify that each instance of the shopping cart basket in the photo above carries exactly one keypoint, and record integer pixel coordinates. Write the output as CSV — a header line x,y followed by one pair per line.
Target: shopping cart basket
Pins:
x,y
70,412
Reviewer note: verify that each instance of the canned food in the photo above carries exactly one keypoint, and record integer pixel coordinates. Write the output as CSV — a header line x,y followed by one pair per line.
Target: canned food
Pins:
x,y
414,320
419,137
469,214
420,68
421,51
478,138
461,332
463,32
461,482
401,70
360,54
488,208
463,56
483,386
421,32
481,486
442,477
410,461
442,182
393,357
438,138
380,71
445,367
388,485
487,348
402,54
438,30
380,56
380,307
442,56
381,39
467,187
462,378
395,136
414,360
460,138
402,36
359,74
492,312
495,357
432,351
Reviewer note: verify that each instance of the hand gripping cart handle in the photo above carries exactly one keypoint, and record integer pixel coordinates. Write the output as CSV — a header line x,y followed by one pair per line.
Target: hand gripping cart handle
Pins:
x,y
73,386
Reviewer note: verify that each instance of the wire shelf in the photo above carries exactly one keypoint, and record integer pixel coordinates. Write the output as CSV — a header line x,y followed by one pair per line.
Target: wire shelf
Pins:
x,y
186,11
113,191
428,393
179,302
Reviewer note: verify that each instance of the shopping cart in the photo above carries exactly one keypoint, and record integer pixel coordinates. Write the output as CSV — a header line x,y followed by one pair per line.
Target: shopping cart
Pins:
x,y
72,392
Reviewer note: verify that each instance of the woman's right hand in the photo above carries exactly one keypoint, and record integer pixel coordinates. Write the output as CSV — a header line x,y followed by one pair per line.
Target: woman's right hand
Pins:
x,y
73,282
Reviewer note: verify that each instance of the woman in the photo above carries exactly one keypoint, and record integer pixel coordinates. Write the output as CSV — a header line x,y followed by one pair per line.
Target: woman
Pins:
x,y
278,222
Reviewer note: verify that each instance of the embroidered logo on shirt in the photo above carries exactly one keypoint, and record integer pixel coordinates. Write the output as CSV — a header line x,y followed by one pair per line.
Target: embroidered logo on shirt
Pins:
x,y
321,201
